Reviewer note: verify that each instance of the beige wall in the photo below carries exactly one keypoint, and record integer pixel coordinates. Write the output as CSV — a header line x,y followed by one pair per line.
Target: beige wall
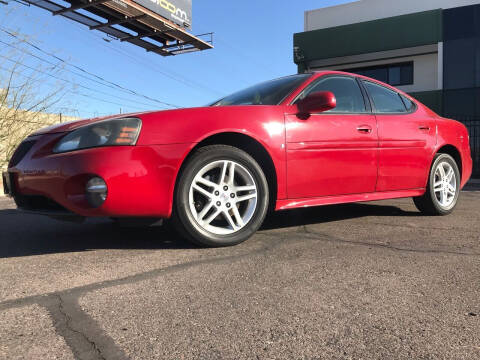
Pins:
x,y
367,10
23,126
22,130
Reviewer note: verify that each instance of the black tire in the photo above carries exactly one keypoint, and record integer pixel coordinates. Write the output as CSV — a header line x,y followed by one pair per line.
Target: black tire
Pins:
x,y
428,203
184,221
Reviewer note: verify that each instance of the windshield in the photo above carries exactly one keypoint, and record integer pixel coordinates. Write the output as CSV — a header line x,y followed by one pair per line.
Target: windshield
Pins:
x,y
268,93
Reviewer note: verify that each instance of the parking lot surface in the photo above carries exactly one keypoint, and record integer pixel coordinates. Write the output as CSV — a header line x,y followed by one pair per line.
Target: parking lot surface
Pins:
x,y
356,281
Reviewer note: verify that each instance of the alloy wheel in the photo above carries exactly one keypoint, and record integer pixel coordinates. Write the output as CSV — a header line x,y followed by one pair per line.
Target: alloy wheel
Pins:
x,y
222,197
445,184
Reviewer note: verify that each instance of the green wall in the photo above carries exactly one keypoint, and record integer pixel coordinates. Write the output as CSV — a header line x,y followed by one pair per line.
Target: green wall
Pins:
x,y
458,104
397,32
433,99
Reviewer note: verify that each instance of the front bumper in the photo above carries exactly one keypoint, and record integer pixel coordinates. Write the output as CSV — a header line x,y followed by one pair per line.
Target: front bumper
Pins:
x,y
140,179
467,167
7,183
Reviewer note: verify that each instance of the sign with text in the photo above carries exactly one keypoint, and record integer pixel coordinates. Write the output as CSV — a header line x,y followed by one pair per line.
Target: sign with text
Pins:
x,y
177,11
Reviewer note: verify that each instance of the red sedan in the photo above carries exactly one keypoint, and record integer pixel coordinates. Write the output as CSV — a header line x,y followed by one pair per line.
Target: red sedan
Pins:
x,y
298,141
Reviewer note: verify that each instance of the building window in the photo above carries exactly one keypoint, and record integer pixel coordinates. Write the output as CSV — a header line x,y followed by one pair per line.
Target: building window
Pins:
x,y
392,74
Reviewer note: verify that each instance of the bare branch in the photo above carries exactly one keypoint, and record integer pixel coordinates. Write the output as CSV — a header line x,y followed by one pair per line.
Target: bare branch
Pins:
x,y
28,100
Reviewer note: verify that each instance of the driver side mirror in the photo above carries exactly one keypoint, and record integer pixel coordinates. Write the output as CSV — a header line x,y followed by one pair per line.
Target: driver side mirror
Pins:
x,y
317,102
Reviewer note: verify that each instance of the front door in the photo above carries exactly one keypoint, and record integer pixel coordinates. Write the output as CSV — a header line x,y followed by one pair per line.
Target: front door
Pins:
x,y
335,152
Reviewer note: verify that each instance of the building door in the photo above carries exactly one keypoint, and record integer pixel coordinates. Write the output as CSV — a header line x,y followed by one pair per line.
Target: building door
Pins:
x,y
335,152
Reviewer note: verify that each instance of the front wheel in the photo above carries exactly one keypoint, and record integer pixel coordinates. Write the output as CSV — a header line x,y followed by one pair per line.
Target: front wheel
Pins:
x,y
221,197
443,187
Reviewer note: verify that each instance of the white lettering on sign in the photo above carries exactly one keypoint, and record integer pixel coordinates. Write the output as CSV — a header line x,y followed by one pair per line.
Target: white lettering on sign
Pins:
x,y
175,12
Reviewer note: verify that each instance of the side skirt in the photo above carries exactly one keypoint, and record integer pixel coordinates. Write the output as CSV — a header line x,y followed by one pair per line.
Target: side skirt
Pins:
x,y
342,199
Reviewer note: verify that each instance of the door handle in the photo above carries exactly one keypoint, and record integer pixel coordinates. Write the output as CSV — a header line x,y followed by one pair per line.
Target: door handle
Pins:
x,y
424,127
364,129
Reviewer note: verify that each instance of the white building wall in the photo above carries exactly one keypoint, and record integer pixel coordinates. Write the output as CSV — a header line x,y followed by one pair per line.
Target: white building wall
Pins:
x,y
367,10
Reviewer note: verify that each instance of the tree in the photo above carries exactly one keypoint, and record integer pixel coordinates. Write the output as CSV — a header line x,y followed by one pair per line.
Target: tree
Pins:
x,y
29,99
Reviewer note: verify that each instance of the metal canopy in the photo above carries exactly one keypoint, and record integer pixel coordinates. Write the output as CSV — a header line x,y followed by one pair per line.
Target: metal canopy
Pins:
x,y
127,21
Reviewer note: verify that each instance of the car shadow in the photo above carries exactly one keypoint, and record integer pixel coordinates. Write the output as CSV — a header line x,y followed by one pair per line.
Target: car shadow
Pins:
x,y
331,213
26,234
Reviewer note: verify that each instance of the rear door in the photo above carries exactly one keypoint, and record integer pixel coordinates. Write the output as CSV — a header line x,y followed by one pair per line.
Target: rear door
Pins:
x,y
406,140
334,152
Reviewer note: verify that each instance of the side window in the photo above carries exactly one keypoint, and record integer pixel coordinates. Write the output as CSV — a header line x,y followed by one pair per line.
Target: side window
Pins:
x,y
346,90
409,104
385,100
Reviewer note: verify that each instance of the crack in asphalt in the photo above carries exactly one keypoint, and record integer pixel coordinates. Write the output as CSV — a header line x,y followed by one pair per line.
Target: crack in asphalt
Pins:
x,y
80,344
84,336
87,328
65,310
53,305
330,238
30,300
422,227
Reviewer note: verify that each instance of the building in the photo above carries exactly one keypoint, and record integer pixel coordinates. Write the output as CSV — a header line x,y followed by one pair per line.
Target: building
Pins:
x,y
428,48
17,124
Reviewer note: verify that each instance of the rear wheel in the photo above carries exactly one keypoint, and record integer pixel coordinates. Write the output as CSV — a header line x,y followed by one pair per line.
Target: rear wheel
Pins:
x,y
443,187
221,197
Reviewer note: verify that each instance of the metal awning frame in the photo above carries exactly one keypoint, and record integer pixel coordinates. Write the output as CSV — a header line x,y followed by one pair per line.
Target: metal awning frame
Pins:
x,y
125,20
138,25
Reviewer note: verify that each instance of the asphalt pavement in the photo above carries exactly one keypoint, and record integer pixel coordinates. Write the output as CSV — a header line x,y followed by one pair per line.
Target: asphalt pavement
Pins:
x,y
357,281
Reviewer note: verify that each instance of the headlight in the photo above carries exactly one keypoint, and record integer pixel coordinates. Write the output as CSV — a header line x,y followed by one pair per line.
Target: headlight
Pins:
x,y
105,133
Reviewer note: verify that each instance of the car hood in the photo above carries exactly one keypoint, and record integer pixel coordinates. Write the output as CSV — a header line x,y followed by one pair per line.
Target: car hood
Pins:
x,y
75,124
178,116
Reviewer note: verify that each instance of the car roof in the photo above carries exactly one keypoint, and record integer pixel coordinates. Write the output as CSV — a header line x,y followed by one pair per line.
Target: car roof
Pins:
x,y
333,72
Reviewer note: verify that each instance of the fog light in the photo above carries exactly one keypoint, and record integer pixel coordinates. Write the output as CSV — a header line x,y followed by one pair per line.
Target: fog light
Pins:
x,y
96,191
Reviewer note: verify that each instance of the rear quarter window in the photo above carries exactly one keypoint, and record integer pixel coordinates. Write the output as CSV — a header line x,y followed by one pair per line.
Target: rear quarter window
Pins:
x,y
409,104
386,101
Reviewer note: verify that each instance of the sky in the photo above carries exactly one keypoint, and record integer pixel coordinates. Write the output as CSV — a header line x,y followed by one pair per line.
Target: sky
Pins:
x,y
253,42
